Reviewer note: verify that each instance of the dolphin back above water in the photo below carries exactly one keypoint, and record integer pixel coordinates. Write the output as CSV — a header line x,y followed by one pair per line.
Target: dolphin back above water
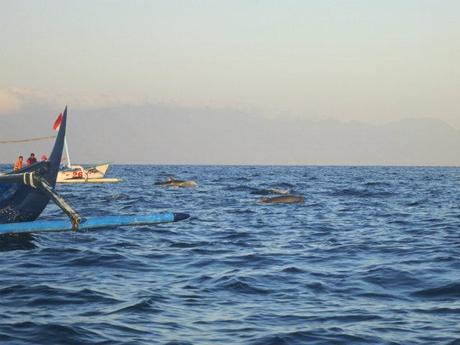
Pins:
x,y
172,182
285,199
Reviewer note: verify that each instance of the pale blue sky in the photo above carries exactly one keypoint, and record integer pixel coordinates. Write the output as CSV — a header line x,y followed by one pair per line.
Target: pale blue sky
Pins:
x,y
372,61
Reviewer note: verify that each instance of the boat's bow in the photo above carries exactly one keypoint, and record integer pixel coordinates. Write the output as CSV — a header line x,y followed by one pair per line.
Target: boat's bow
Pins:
x,y
21,202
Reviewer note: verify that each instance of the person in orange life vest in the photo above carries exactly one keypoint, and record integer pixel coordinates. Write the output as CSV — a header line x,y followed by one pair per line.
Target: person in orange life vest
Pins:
x,y
18,163
31,159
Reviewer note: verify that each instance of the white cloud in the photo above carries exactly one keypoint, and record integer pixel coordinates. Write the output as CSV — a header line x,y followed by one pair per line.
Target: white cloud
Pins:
x,y
13,99
9,102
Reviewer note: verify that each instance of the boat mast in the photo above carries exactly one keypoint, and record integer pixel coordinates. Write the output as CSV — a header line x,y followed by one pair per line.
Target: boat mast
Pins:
x,y
67,152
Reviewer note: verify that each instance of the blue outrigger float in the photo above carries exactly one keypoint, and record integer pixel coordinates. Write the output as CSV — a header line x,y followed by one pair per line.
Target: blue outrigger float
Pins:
x,y
25,193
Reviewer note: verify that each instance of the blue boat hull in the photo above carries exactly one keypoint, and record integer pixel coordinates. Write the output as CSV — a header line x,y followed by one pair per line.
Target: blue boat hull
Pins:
x,y
21,203
90,223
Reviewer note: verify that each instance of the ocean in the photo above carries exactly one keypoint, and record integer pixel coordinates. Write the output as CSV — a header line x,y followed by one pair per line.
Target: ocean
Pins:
x,y
371,257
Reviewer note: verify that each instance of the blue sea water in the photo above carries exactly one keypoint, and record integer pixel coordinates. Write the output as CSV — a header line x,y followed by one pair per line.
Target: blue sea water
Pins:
x,y
371,257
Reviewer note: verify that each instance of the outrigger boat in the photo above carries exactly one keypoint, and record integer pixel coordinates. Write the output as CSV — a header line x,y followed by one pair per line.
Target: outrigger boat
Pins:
x,y
76,172
25,193
71,173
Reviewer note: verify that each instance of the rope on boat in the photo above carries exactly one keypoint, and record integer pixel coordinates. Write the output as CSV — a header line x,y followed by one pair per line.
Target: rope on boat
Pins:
x,y
27,140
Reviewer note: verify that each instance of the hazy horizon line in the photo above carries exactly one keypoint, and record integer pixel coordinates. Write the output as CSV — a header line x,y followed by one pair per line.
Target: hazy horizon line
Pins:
x,y
252,111
274,165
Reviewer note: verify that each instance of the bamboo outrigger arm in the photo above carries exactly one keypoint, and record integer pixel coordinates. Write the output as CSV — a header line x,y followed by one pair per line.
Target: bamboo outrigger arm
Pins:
x,y
34,180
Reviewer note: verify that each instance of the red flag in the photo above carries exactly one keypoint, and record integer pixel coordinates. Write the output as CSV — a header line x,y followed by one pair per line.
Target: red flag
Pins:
x,y
57,123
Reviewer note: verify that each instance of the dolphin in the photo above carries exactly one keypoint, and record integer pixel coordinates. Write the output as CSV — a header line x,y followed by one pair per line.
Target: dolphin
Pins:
x,y
285,199
172,182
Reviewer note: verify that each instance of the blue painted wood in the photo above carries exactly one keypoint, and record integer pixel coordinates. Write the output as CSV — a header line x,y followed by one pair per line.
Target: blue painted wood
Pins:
x,y
91,223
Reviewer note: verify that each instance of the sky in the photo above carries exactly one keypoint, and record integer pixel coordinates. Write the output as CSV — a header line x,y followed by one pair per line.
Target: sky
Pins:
x,y
368,61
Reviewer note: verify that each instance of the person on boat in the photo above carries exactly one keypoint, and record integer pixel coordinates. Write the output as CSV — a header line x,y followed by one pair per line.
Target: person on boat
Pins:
x,y
31,160
18,163
43,158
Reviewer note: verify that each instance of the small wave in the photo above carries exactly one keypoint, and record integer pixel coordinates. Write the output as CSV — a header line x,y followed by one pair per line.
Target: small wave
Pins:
x,y
349,318
202,263
389,277
377,296
60,251
202,279
42,295
239,286
316,287
285,185
209,251
123,245
361,193
320,336
188,244
415,203
235,235
400,222
241,211
240,189
116,197
377,184
232,179
442,292
105,260
439,311
253,259
142,306
242,287
52,333
293,269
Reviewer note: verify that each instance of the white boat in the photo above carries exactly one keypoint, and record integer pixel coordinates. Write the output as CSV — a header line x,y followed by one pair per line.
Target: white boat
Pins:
x,y
77,172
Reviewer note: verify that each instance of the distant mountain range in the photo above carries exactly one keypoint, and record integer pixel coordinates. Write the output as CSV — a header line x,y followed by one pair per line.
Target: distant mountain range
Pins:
x,y
155,134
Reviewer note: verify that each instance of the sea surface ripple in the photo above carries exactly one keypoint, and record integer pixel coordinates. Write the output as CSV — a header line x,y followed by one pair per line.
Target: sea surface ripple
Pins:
x,y
371,257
